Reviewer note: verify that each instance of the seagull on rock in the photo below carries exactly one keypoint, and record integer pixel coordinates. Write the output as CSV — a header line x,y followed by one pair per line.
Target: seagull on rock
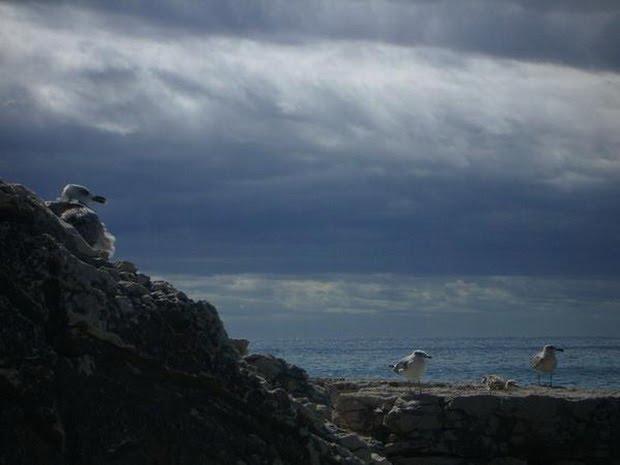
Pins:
x,y
73,207
412,366
545,362
74,193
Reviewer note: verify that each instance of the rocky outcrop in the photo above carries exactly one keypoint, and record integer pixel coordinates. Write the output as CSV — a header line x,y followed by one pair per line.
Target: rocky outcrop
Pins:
x,y
467,425
279,373
99,364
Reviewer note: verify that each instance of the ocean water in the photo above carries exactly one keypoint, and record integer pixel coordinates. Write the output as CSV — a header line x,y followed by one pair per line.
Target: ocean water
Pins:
x,y
590,363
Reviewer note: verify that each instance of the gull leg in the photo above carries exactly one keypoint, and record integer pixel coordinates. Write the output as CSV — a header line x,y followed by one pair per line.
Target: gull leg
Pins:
x,y
419,387
551,379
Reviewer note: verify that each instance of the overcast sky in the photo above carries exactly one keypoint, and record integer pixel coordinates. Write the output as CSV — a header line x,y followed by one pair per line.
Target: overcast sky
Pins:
x,y
342,168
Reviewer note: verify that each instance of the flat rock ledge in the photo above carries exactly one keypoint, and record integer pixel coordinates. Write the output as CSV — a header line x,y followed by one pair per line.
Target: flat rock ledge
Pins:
x,y
461,424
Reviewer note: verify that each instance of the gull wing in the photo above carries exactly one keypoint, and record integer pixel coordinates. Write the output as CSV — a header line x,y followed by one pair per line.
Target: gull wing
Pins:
x,y
536,360
402,364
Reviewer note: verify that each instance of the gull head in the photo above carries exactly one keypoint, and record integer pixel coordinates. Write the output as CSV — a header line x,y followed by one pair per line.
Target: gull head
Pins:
x,y
74,193
421,354
549,349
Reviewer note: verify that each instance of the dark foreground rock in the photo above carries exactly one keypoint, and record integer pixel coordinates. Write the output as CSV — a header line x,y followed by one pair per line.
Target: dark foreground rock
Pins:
x,y
465,424
101,365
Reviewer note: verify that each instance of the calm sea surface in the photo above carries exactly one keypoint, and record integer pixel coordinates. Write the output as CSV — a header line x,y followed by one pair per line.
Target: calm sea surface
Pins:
x,y
586,363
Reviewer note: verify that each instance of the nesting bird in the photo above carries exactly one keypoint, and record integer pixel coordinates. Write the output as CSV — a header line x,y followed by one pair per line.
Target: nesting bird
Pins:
x,y
73,207
74,193
497,383
545,361
412,366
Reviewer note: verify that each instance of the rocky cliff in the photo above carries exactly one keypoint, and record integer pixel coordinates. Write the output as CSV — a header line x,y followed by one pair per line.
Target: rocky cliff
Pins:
x,y
101,365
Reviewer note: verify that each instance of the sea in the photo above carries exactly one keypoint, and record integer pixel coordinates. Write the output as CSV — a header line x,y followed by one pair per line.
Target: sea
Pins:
x,y
587,362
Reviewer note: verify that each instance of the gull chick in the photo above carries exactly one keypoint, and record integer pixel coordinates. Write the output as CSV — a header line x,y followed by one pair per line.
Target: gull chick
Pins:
x,y
545,361
497,383
412,366
74,193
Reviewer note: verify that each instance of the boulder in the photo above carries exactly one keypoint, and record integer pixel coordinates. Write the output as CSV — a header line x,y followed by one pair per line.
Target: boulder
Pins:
x,y
241,345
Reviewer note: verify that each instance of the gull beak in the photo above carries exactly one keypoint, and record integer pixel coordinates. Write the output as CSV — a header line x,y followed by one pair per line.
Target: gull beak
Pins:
x,y
558,349
428,356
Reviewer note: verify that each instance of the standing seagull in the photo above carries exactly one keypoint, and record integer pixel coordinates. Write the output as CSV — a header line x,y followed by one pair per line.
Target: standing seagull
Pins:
x,y
412,366
74,193
545,361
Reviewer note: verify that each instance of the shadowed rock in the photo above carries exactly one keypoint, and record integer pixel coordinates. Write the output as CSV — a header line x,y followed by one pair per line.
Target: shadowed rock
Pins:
x,y
464,424
101,365
279,373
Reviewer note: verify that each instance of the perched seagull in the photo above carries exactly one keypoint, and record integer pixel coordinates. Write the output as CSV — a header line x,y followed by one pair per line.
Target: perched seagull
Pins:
x,y
74,193
412,366
497,383
545,361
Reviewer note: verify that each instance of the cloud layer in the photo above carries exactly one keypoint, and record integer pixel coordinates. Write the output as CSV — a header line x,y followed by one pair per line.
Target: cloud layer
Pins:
x,y
575,33
357,305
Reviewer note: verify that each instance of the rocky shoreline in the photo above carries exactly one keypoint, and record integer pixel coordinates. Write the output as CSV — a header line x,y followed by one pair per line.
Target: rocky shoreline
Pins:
x,y
386,422
100,364
456,424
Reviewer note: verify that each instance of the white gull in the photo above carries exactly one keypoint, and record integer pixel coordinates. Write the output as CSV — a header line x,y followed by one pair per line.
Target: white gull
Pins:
x,y
412,366
545,361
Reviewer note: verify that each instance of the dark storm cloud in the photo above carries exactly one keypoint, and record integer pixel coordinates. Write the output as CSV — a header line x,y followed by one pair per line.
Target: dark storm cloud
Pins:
x,y
573,33
262,212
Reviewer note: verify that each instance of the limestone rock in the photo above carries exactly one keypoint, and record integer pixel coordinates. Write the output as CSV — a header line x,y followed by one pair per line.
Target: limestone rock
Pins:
x,y
126,266
362,413
101,366
241,345
278,372
412,416
469,425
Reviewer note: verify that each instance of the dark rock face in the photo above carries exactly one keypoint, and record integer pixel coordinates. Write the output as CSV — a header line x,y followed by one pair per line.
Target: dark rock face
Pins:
x,y
101,365
279,373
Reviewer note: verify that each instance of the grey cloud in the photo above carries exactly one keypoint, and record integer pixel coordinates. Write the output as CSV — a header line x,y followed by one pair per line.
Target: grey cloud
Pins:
x,y
269,212
415,306
571,33
241,90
